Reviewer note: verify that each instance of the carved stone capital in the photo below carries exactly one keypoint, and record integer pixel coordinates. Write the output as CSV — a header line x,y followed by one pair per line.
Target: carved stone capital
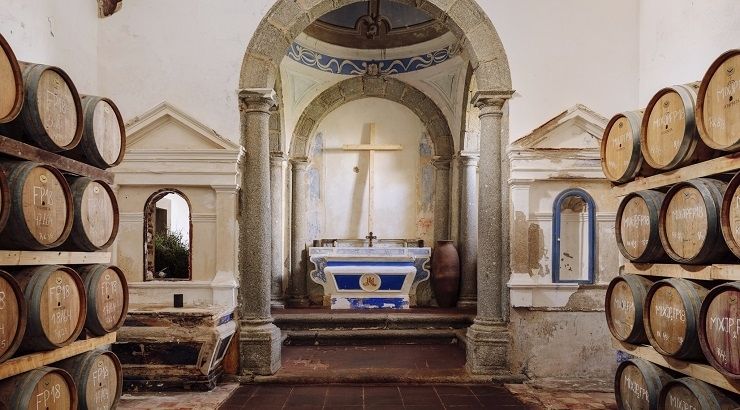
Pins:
x,y
469,159
277,158
490,102
299,163
257,100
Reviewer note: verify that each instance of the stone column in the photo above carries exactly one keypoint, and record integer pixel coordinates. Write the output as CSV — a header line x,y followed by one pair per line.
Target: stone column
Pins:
x,y
468,242
259,338
299,233
441,199
277,160
488,337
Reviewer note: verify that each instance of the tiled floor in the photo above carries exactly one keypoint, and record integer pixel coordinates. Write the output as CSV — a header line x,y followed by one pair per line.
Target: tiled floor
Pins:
x,y
397,397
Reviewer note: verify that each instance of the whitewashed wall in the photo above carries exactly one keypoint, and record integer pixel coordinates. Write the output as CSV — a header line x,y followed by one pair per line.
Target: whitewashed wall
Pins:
x,y
679,39
609,55
61,33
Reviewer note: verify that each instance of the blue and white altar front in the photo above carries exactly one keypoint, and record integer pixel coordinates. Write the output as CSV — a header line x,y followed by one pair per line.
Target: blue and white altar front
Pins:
x,y
369,278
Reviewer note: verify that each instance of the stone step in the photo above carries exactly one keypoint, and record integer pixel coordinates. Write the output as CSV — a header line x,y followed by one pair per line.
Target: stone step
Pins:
x,y
373,337
292,320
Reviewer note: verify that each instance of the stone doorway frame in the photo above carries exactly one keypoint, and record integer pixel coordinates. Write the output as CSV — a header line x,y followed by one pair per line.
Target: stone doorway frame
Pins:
x,y
343,92
488,341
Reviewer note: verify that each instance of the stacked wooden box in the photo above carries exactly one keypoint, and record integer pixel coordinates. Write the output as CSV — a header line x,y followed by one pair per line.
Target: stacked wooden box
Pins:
x,y
676,305
60,300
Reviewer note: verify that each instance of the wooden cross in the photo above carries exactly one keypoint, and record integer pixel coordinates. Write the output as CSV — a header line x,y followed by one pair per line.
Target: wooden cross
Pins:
x,y
371,148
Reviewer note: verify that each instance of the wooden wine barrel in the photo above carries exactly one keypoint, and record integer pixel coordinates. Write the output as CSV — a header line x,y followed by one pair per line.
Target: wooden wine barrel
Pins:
x,y
51,117
95,215
730,215
45,388
13,315
719,330
57,306
98,377
104,135
40,207
621,158
671,317
718,103
4,199
668,136
689,393
11,83
624,305
107,298
636,227
689,225
637,384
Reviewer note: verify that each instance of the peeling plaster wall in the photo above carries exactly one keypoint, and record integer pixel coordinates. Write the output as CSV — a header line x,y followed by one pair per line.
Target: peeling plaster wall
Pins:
x,y
60,33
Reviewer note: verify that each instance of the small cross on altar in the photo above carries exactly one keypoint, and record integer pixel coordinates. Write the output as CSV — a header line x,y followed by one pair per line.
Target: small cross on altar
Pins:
x,y
371,148
371,237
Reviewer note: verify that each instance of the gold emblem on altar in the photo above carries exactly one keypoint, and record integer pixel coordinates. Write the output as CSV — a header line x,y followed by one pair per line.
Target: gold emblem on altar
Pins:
x,y
370,282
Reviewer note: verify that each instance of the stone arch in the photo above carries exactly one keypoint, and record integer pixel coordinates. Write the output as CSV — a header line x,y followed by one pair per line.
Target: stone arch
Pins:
x,y
288,18
359,87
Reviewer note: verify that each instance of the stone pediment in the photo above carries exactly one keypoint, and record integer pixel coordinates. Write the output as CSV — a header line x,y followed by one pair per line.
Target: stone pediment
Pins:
x,y
167,128
577,128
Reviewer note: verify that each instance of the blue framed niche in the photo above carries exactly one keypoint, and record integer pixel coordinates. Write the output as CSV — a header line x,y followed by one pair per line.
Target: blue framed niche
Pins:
x,y
573,237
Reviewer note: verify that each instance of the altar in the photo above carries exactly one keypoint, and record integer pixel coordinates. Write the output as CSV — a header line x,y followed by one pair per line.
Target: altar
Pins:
x,y
383,277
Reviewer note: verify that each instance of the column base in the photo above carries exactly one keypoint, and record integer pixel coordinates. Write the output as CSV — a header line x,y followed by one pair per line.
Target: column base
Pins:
x,y
488,348
297,301
467,303
259,347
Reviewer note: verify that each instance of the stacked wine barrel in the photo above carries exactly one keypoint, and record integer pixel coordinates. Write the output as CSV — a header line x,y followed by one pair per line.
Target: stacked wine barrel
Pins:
x,y
686,225
43,207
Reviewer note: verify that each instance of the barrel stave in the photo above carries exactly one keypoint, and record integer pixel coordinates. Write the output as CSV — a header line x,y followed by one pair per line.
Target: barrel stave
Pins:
x,y
637,226
13,315
45,387
671,317
57,306
621,158
51,116
103,140
690,228
624,306
668,135
11,83
719,330
107,298
689,393
637,384
98,377
40,212
96,215
718,103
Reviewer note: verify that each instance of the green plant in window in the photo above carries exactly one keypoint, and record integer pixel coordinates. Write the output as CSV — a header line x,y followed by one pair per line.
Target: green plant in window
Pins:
x,y
172,256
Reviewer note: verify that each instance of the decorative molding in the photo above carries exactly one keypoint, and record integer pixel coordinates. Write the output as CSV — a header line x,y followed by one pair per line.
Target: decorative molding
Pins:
x,y
135,217
202,217
578,115
141,126
343,66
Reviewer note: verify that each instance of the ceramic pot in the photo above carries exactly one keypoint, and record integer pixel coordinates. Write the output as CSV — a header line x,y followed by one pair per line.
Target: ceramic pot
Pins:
x,y
445,274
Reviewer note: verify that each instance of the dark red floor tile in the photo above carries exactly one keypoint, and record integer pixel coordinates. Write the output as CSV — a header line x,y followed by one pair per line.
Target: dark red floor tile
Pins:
x,y
500,400
453,390
450,400
487,390
344,396
419,396
382,395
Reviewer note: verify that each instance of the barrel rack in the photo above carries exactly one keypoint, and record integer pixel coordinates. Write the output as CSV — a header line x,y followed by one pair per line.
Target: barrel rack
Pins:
x,y
26,362
720,272
20,150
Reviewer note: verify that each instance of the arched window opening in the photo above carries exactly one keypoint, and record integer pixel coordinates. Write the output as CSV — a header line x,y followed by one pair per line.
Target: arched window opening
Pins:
x,y
574,233
167,236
